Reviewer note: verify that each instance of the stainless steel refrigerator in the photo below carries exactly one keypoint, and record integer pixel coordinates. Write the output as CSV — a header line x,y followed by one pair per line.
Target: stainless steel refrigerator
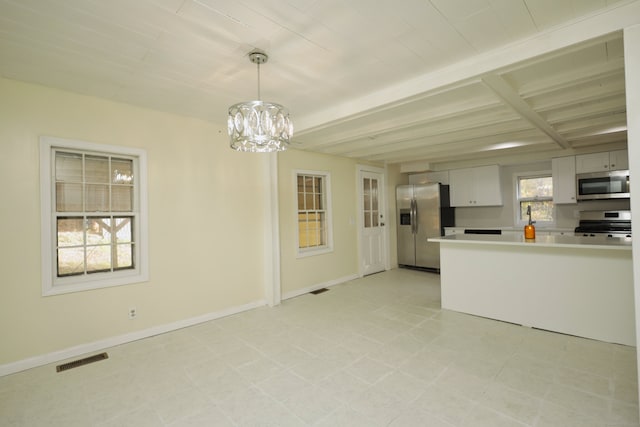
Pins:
x,y
422,212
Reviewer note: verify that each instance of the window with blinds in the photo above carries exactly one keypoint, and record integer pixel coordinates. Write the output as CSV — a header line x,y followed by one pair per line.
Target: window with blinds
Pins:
x,y
314,233
95,216
95,219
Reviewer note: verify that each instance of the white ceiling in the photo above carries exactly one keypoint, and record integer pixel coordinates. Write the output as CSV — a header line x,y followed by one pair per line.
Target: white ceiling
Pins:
x,y
387,81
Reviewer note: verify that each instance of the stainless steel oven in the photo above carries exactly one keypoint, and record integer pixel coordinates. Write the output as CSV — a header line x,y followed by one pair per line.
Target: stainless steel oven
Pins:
x,y
603,185
610,224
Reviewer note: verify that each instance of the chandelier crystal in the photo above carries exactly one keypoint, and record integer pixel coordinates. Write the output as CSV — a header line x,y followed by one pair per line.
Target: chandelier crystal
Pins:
x,y
258,126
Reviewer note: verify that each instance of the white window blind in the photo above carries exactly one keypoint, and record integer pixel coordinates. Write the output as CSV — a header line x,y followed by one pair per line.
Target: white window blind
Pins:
x,y
94,215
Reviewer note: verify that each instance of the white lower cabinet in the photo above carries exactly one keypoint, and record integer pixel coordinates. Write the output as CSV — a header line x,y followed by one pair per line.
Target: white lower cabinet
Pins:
x,y
475,186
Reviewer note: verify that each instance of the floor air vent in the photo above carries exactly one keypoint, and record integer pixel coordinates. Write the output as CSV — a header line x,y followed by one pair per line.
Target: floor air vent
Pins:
x,y
81,362
319,291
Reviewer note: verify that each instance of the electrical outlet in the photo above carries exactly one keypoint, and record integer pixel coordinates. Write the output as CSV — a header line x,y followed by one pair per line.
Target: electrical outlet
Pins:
x,y
133,313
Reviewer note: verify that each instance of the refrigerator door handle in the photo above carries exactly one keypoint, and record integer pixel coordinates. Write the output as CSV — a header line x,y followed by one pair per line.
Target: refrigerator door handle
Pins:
x,y
411,214
414,216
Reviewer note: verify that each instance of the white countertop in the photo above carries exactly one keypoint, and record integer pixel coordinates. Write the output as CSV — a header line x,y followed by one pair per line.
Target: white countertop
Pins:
x,y
597,242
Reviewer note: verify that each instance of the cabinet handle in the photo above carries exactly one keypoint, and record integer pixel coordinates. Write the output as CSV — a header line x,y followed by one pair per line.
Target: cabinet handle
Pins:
x,y
612,165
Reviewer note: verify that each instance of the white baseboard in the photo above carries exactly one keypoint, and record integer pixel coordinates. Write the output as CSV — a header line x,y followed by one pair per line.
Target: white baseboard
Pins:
x,y
315,287
56,356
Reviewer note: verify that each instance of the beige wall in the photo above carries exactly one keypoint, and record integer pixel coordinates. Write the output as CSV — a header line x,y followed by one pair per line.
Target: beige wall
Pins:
x,y
298,274
205,222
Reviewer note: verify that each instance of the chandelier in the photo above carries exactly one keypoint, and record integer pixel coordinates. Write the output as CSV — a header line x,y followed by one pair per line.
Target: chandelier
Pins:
x,y
258,126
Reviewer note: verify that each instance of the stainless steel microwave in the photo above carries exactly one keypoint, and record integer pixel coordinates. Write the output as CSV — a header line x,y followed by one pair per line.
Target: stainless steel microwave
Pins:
x,y
603,185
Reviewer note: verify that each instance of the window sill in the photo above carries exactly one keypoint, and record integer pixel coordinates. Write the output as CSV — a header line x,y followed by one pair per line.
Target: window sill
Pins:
x,y
313,252
71,286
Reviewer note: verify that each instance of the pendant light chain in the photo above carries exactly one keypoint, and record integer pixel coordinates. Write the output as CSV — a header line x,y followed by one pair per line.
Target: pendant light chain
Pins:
x,y
258,65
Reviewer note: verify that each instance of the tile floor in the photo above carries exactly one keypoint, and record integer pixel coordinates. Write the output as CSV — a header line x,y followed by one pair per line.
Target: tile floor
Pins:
x,y
373,352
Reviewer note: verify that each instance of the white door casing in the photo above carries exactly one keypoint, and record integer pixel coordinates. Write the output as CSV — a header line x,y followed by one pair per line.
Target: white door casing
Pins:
x,y
372,220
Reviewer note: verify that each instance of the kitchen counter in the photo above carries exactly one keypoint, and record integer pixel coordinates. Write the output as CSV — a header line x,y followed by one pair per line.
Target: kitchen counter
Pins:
x,y
575,285
511,239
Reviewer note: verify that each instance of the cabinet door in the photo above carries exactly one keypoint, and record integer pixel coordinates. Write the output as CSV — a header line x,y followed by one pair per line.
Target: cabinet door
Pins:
x,y
601,162
619,160
486,181
461,187
475,186
595,162
564,179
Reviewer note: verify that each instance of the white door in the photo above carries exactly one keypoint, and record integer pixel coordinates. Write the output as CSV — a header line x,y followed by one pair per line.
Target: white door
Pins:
x,y
372,222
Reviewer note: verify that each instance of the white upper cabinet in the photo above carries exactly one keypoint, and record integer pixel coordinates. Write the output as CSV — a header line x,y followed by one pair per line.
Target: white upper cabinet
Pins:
x,y
563,170
619,160
602,162
461,187
475,186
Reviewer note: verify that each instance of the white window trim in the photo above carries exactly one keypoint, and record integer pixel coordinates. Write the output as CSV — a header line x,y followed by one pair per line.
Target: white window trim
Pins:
x,y
516,200
52,285
306,252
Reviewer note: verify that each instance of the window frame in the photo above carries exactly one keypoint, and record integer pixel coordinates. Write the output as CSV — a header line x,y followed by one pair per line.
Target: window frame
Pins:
x,y
517,200
328,247
51,283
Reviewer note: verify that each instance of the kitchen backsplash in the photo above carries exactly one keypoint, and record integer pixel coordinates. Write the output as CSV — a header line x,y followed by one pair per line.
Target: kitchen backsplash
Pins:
x,y
502,216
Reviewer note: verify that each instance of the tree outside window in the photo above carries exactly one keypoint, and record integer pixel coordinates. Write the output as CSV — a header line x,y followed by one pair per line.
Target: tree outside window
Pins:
x,y
536,191
93,206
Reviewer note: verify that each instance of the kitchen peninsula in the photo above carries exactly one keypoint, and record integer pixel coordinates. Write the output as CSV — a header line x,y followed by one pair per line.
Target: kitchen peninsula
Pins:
x,y
568,284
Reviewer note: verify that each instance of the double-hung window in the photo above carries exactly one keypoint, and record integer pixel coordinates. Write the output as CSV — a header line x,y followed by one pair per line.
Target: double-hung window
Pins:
x,y
535,191
93,215
314,212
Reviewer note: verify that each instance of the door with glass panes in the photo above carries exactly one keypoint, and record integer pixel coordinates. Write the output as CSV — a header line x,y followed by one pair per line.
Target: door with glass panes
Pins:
x,y
372,222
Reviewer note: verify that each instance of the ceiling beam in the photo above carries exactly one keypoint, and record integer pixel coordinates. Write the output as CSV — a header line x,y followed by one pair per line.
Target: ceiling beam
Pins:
x,y
413,149
553,42
395,121
511,129
604,106
613,68
427,131
577,98
505,92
